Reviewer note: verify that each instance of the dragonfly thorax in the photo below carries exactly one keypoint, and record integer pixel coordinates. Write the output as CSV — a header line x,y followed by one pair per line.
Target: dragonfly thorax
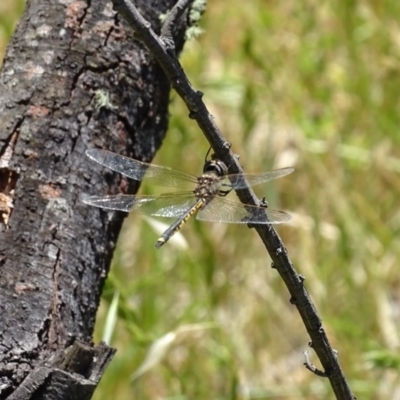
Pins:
x,y
208,186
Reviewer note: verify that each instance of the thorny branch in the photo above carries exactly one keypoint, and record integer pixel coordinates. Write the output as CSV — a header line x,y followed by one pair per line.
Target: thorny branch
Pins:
x,y
160,47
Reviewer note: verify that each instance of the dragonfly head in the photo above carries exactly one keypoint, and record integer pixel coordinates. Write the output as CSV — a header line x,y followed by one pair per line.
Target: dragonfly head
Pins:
x,y
216,167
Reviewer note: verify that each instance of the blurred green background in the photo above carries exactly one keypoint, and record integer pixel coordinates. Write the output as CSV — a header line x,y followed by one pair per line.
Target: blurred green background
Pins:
x,y
314,85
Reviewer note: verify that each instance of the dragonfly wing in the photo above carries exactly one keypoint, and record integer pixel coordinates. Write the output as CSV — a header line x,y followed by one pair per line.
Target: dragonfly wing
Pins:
x,y
222,210
241,181
111,202
139,170
170,205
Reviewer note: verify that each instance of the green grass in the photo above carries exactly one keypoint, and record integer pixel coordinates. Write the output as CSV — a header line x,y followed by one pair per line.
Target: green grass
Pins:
x,y
308,84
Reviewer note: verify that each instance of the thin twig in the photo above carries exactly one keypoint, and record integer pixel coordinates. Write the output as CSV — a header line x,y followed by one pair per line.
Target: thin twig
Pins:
x,y
167,35
198,111
312,367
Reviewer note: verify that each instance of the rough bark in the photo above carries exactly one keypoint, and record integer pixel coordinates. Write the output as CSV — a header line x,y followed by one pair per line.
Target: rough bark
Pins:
x,y
73,78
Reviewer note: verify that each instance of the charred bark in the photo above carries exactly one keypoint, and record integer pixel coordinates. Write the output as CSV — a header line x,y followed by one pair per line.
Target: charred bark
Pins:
x,y
74,77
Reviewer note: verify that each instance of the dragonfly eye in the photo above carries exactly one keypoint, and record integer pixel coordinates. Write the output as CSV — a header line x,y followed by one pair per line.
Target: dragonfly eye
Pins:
x,y
215,166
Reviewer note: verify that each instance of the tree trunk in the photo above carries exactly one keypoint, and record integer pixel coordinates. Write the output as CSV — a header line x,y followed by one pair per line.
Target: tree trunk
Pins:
x,y
73,78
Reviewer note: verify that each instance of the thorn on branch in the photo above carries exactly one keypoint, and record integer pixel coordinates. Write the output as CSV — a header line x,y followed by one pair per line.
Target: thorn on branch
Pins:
x,y
195,100
302,278
280,250
312,367
264,202
227,146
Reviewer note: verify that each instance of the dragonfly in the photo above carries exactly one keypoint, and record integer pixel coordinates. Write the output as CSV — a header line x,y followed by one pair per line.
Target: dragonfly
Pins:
x,y
202,195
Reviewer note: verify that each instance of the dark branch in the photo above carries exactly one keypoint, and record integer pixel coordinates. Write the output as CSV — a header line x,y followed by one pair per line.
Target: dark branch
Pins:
x,y
178,79
271,240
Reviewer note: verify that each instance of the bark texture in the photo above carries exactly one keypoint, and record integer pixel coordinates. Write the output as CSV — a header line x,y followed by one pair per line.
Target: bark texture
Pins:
x,y
73,78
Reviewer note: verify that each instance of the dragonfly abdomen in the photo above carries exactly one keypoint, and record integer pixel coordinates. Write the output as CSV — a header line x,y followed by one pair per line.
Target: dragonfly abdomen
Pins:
x,y
178,224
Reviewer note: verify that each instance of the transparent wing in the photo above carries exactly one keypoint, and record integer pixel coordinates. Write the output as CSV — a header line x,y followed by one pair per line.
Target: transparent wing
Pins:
x,y
139,170
170,205
240,181
222,210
